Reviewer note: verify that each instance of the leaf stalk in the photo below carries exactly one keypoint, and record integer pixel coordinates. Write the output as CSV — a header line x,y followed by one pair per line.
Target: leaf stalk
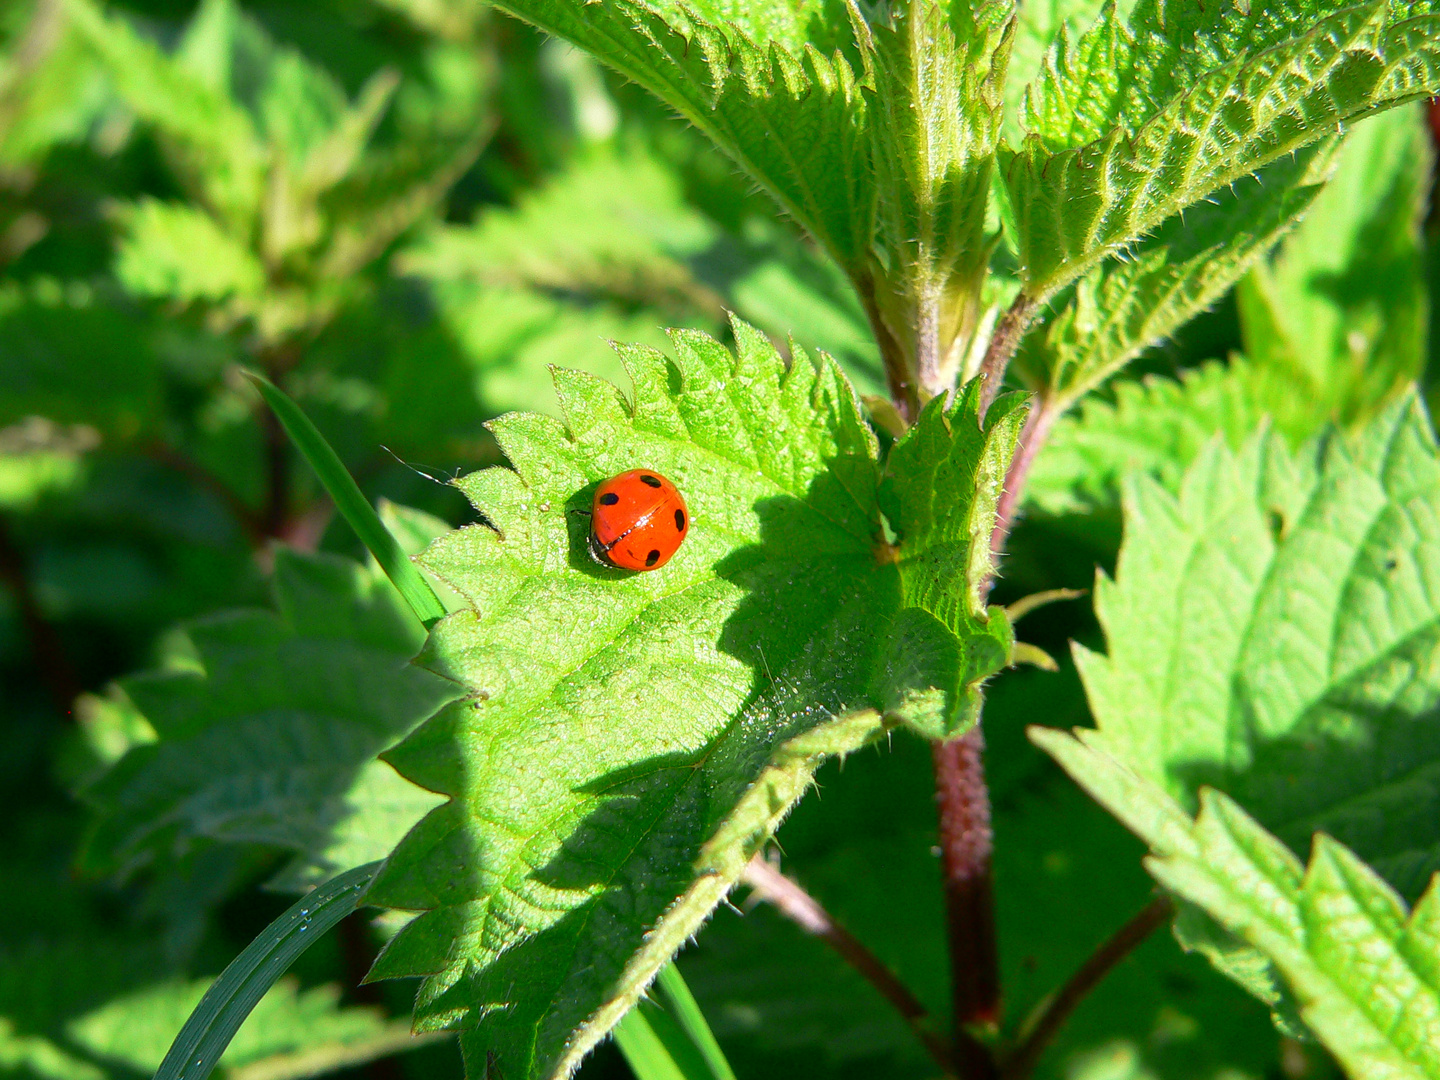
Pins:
x,y
1039,1034
767,883
1003,343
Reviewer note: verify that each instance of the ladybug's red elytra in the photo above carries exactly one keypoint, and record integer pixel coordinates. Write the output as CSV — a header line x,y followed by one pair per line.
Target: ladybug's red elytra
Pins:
x,y
638,521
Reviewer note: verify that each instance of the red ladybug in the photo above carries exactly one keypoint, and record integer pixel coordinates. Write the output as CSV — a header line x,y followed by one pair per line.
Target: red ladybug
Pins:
x,y
638,521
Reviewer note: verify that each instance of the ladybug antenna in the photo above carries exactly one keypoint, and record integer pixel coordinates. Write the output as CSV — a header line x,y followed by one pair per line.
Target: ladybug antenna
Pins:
x,y
418,471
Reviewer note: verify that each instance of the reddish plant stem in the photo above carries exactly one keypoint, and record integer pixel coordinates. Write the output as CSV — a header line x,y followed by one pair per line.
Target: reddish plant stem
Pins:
x,y
769,884
1022,1062
966,843
1032,438
51,661
963,801
1003,343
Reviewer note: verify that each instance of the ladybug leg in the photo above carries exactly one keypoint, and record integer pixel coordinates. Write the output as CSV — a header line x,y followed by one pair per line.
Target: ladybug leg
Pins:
x,y
598,551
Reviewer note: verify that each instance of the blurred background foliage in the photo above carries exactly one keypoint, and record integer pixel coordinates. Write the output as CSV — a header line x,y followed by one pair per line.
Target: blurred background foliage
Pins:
x,y
403,211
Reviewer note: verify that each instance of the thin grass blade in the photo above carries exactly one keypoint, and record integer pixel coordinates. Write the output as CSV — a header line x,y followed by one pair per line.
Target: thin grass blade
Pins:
x,y
228,1002
680,1004
351,503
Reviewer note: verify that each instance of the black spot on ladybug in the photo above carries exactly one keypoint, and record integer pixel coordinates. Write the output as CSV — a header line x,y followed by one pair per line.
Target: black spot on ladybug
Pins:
x,y
652,558
680,520
650,481
609,499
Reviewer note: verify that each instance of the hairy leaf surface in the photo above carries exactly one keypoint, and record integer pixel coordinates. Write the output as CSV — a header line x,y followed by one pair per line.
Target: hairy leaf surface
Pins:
x,y
1364,970
767,83
268,730
1272,631
1124,306
627,741
1138,119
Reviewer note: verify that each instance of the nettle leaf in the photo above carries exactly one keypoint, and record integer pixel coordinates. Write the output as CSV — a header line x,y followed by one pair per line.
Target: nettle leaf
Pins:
x,y
1272,632
1156,427
939,77
1138,119
213,141
157,255
627,741
614,224
1341,307
767,83
269,726
1126,305
1038,28
1363,970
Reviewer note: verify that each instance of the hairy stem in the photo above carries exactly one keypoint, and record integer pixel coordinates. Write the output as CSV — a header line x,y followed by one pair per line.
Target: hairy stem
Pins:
x,y
51,661
1023,1060
1003,343
898,377
769,884
1032,438
966,843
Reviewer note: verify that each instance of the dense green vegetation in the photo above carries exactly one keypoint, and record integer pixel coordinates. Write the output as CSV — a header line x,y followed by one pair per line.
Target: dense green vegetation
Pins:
x,y
481,252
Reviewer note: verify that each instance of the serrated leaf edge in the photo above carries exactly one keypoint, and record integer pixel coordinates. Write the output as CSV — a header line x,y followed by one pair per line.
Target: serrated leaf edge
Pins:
x,y
722,859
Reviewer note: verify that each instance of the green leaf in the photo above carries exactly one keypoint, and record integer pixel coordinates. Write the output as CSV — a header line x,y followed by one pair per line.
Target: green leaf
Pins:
x,y
215,144
157,255
945,476
1271,633
1125,306
136,1029
1137,120
667,1038
629,740
614,225
1038,28
741,73
1154,427
1341,308
939,75
1066,877
269,733
49,333
1364,971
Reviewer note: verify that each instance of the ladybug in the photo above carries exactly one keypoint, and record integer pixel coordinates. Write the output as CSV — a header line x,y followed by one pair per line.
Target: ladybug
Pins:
x,y
638,521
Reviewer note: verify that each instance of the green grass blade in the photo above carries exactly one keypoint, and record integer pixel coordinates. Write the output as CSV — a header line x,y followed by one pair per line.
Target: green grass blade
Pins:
x,y
645,1051
225,1005
351,503
666,1037
681,1004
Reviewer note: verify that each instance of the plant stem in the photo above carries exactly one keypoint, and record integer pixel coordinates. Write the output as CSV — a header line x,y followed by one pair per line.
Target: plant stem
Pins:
x,y
966,843
171,458
769,884
1032,438
50,659
1003,343
1022,1061
903,392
